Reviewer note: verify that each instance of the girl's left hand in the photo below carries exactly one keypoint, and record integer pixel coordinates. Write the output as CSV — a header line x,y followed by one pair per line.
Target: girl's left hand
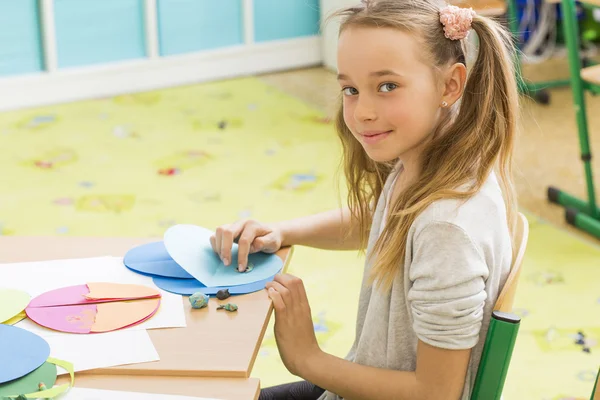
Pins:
x,y
294,329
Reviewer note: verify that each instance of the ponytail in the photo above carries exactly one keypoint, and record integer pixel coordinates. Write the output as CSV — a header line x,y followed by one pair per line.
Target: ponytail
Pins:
x,y
490,106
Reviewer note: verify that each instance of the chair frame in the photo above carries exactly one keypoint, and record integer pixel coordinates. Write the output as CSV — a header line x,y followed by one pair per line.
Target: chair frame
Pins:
x,y
503,329
583,214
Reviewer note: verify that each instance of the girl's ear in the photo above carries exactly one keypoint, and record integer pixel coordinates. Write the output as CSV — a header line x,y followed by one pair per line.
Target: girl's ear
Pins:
x,y
454,83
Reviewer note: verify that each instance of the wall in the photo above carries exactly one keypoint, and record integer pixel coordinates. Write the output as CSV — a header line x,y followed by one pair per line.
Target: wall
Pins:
x,y
331,29
63,50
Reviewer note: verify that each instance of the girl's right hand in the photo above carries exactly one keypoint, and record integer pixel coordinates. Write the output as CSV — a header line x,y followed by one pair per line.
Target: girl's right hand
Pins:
x,y
251,237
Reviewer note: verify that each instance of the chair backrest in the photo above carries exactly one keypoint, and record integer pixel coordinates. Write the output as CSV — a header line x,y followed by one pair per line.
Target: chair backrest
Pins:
x,y
503,328
506,299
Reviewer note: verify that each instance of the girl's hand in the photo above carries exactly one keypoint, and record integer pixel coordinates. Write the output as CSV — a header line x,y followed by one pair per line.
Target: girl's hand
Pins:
x,y
251,236
294,329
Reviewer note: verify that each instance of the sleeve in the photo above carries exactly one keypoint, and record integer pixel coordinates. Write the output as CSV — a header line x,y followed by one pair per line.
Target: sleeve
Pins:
x,y
448,294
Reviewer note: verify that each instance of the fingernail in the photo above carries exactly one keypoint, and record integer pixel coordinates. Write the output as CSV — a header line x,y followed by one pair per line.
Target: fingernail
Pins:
x,y
241,267
225,261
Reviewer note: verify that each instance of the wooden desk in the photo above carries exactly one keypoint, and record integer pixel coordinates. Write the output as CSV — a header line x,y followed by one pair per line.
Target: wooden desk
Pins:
x,y
214,344
218,388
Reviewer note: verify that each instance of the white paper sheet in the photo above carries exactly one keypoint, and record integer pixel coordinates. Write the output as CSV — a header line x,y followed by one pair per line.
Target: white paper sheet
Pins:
x,y
95,394
36,278
109,349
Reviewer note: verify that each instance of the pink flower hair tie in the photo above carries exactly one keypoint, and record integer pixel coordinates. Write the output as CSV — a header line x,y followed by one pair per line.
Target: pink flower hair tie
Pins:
x,y
457,21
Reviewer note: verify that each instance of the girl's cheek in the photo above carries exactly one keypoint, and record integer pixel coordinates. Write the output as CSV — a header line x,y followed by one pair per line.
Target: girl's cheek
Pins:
x,y
348,115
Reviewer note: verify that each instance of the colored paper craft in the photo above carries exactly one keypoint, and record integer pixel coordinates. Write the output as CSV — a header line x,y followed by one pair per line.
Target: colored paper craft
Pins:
x,y
92,293
73,319
154,260
187,287
112,291
17,318
21,352
50,275
61,297
189,246
29,383
12,302
56,390
94,318
46,374
105,307
113,316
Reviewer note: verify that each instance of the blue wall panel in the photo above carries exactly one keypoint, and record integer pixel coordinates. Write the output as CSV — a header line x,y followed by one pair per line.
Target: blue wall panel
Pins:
x,y
99,31
20,38
285,19
193,25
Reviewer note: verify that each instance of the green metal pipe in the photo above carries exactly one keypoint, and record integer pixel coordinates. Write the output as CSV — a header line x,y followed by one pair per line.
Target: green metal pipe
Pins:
x,y
571,38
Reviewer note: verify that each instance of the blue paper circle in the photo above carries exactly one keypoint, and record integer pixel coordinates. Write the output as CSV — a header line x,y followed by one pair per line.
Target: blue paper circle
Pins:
x,y
154,260
22,352
187,287
190,247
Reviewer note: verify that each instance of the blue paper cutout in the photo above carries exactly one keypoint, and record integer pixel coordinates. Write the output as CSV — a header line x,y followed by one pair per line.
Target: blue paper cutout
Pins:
x,y
154,260
187,287
189,246
21,352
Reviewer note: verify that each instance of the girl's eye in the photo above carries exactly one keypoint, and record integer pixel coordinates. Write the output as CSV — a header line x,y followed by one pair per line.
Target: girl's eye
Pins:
x,y
350,91
388,87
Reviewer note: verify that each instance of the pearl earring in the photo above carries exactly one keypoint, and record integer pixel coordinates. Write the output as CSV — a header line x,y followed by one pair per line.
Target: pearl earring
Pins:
x,y
444,104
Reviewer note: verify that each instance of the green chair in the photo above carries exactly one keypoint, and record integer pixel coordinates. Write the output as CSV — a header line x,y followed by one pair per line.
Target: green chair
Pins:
x,y
583,214
503,329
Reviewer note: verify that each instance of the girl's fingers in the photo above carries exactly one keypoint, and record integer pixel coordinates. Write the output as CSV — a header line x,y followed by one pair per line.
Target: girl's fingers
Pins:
x,y
283,291
277,299
225,237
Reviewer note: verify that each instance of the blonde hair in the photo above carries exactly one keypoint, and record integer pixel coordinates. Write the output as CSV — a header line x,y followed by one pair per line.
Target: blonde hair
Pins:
x,y
475,137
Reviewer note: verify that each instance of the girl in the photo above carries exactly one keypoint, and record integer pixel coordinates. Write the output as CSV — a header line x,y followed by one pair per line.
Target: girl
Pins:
x,y
427,159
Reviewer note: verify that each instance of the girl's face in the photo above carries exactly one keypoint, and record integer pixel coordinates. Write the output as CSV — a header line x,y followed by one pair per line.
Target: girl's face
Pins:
x,y
390,96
